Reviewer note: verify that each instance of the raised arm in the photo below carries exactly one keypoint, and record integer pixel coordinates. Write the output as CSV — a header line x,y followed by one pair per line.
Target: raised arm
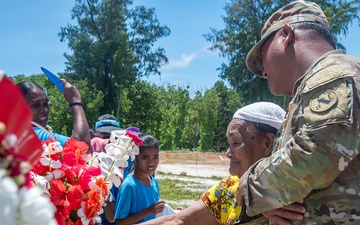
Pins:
x,y
80,126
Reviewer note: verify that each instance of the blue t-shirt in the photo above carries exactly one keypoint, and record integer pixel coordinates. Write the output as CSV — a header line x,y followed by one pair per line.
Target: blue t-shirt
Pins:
x,y
133,197
43,136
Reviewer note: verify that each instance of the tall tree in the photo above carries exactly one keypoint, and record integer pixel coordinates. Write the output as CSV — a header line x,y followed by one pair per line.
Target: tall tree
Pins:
x,y
112,45
141,107
243,22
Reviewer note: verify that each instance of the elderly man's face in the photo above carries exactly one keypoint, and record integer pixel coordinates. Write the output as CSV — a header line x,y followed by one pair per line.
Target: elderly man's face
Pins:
x,y
246,146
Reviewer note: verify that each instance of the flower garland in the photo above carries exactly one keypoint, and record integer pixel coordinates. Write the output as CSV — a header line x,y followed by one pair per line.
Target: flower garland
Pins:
x,y
78,183
44,183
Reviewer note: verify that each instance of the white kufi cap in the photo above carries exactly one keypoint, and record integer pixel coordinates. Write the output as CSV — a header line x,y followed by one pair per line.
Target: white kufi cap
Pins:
x,y
262,112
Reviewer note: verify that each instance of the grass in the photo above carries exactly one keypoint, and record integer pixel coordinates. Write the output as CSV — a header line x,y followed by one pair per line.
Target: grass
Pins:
x,y
181,191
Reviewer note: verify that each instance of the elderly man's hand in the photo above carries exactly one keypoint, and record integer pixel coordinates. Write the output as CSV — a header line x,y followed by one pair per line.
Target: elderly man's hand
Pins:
x,y
281,216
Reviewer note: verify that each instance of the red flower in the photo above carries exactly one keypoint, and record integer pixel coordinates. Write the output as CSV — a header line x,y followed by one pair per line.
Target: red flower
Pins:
x,y
81,175
135,138
65,199
74,152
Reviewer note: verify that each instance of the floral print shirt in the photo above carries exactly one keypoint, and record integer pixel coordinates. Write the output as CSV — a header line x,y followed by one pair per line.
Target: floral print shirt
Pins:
x,y
221,201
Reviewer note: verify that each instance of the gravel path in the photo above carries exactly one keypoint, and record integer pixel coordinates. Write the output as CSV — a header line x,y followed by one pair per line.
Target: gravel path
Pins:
x,y
219,171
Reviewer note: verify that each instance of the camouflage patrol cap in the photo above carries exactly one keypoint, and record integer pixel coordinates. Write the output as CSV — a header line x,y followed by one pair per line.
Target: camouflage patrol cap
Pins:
x,y
295,12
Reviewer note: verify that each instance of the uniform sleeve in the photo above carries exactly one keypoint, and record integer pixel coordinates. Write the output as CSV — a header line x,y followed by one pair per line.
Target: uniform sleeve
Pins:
x,y
123,201
322,143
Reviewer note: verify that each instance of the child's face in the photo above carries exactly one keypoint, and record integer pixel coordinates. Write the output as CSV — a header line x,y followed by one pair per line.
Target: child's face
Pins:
x,y
147,161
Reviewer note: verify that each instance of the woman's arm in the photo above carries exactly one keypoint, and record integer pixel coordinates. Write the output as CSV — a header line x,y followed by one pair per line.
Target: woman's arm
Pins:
x,y
80,129
196,214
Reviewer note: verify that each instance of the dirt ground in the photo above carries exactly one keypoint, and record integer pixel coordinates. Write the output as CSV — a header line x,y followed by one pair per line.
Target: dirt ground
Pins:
x,y
202,164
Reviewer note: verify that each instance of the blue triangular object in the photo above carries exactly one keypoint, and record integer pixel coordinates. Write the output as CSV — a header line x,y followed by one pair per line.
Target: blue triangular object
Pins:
x,y
53,79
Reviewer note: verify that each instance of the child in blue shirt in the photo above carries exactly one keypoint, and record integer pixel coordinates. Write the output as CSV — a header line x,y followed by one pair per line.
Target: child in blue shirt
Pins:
x,y
138,197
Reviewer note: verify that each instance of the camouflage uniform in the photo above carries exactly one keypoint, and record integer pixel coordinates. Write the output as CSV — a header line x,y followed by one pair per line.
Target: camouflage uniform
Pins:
x,y
317,155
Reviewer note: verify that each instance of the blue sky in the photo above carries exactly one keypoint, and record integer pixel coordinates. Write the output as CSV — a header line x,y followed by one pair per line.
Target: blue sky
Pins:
x,y
29,38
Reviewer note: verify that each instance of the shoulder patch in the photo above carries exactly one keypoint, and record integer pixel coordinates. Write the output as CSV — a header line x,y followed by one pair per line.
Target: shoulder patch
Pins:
x,y
328,71
323,101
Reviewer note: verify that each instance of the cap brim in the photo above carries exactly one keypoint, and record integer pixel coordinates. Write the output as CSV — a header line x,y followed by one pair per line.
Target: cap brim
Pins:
x,y
108,129
253,58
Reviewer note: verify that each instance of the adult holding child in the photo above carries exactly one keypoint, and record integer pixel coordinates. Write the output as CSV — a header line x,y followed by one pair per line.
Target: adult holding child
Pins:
x,y
250,134
40,108
317,157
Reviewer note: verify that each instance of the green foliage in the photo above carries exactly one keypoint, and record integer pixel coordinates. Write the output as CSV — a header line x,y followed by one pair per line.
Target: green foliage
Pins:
x,y
229,102
207,115
243,22
178,121
140,107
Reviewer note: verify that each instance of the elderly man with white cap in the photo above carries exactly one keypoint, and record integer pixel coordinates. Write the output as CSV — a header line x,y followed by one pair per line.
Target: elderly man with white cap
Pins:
x,y
250,134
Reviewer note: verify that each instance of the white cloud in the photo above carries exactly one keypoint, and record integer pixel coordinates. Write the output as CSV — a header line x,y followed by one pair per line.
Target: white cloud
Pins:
x,y
183,62
206,50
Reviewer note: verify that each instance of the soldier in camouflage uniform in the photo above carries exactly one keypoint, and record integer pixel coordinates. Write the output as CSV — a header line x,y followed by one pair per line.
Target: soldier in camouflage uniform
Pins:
x,y
317,156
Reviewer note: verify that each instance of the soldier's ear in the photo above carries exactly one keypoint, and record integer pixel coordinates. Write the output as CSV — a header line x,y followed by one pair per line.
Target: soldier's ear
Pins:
x,y
288,34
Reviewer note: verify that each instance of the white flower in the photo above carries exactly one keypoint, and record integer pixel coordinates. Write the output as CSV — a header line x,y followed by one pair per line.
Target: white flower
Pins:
x,y
35,208
81,214
54,175
118,151
52,148
120,148
117,136
24,206
8,199
110,167
55,164
41,182
133,151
